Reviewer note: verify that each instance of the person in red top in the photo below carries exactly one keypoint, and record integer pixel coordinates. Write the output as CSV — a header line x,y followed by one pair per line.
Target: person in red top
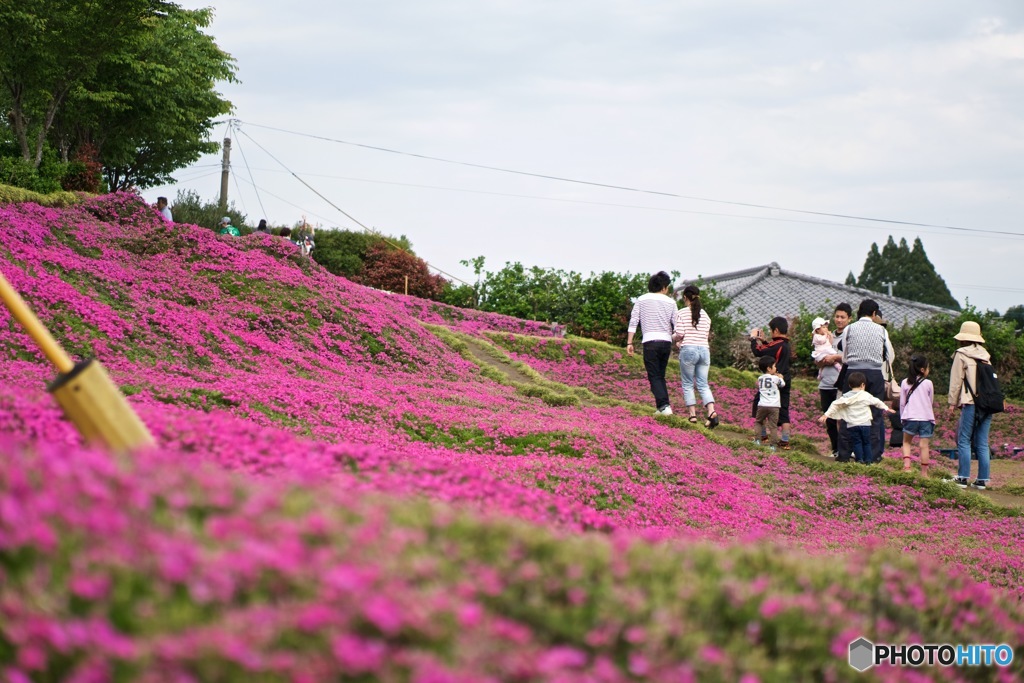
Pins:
x,y
777,348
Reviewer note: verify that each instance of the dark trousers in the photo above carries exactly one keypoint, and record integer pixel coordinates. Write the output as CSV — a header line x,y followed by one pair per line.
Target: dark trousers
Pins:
x,y
875,385
828,397
656,355
860,440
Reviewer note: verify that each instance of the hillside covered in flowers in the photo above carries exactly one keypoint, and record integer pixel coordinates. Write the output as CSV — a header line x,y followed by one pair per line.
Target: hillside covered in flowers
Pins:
x,y
355,485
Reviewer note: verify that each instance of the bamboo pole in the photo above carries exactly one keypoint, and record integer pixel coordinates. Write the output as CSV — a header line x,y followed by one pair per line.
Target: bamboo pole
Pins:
x,y
89,398
40,335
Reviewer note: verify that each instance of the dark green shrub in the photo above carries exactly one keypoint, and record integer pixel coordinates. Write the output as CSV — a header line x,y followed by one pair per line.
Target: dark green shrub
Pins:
x,y
187,207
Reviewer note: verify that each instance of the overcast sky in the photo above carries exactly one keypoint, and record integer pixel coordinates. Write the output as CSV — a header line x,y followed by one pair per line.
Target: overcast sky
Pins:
x,y
909,111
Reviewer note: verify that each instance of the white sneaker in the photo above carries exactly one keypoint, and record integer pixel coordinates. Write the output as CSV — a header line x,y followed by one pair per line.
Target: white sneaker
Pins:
x,y
664,410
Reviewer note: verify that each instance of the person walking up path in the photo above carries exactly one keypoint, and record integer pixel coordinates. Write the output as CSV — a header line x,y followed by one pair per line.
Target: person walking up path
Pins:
x,y
866,348
692,333
827,389
777,348
974,424
655,314
769,401
917,398
857,407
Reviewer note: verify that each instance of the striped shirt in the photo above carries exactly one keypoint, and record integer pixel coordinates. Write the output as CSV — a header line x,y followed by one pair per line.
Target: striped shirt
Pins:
x,y
655,314
692,336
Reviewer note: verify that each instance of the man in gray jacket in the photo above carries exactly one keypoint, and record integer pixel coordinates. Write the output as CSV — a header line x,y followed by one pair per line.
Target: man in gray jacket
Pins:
x,y
866,347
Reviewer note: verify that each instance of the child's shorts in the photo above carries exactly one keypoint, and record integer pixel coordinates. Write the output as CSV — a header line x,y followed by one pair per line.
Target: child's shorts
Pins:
x,y
921,428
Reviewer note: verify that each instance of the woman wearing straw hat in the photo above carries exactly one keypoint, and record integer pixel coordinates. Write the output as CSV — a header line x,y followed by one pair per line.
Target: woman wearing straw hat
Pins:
x,y
974,425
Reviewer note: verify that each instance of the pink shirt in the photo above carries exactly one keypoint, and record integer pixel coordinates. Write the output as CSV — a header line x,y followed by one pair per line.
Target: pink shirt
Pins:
x,y
919,406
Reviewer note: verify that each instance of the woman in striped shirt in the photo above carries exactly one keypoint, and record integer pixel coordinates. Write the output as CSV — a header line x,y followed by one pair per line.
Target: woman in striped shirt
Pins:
x,y
692,333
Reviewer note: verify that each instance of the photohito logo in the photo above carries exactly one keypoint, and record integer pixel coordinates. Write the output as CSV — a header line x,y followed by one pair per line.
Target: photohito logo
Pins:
x,y
864,654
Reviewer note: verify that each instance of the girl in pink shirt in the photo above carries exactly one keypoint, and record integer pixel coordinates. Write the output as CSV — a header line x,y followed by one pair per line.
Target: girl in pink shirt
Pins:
x,y
916,410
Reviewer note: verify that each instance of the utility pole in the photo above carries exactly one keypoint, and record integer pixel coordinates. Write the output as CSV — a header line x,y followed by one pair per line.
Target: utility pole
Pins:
x,y
224,173
890,285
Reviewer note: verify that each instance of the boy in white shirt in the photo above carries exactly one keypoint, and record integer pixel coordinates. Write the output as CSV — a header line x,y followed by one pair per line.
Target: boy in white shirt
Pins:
x,y
769,399
855,407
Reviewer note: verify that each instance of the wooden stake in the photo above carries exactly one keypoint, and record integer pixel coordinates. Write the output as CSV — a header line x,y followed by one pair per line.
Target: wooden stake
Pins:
x,y
40,335
89,398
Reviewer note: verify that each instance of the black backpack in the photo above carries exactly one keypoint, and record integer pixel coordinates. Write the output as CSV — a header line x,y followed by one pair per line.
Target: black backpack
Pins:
x,y
988,398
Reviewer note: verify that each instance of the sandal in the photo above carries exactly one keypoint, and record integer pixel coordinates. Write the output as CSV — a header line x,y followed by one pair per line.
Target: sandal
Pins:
x,y
712,421
693,419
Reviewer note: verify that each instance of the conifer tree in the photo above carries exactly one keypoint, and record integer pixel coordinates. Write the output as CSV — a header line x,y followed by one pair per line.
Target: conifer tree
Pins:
x,y
911,270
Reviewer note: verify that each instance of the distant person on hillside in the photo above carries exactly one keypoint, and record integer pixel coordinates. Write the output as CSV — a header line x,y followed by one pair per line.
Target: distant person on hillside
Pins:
x,y
227,229
262,227
692,334
769,401
857,407
972,431
827,380
161,206
655,313
286,233
779,350
917,398
866,348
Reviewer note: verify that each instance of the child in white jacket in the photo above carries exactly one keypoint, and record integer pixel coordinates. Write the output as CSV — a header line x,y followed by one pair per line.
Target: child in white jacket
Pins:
x,y
855,407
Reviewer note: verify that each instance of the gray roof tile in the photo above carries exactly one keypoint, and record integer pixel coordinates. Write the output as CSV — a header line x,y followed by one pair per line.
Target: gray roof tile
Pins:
x,y
759,294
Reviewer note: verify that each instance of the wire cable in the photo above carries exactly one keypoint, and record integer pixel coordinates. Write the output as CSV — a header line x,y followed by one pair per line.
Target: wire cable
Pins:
x,y
635,189
246,162
188,180
234,176
634,206
280,198
343,212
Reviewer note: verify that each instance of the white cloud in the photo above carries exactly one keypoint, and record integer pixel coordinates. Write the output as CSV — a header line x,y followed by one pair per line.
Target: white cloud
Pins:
x,y
909,110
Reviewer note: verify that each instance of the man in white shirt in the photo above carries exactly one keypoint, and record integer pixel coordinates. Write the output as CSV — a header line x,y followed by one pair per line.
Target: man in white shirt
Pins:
x,y
161,206
655,314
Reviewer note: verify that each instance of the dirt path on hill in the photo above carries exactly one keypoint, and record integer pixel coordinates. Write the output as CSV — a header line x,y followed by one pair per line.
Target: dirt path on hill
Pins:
x,y
482,357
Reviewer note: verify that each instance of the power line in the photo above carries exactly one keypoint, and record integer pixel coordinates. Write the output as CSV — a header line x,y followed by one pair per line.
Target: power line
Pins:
x,y
635,189
342,211
280,198
990,288
239,188
188,180
624,206
258,198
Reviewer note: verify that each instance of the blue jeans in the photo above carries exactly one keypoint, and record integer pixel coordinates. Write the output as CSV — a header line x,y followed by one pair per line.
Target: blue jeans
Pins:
x,y
860,441
875,387
972,433
694,362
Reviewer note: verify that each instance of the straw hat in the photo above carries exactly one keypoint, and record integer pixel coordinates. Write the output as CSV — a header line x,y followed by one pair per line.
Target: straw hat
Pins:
x,y
970,331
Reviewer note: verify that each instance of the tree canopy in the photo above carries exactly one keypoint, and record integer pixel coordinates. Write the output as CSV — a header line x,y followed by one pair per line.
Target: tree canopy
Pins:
x,y
134,80
910,269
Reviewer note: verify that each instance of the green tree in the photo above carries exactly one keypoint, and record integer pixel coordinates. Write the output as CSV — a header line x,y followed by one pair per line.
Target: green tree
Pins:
x,y
51,48
187,207
912,272
344,252
149,107
1015,314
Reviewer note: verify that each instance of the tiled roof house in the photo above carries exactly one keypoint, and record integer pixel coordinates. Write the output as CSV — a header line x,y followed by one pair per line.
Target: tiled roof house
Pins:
x,y
764,292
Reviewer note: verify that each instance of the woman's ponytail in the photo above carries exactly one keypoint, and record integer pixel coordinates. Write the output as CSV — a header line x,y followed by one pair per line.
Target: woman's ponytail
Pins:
x,y
693,294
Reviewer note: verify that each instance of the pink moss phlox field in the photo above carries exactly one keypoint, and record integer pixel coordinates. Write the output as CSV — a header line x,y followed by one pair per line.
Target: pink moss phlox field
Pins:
x,y
263,377
294,578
